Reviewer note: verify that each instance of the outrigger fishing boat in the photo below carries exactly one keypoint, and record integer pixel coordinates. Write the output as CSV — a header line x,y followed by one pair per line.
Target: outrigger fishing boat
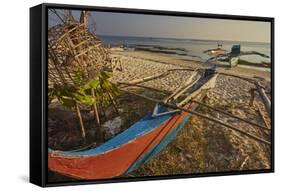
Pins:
x,y
143,140
232,56
147,137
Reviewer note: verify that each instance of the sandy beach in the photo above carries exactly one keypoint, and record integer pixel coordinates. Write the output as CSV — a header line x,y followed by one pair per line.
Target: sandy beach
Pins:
x,y
137,64
166,61
220,148
148,98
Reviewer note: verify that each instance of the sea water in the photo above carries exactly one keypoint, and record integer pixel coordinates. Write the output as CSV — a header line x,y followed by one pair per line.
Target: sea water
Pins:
x,y
188,49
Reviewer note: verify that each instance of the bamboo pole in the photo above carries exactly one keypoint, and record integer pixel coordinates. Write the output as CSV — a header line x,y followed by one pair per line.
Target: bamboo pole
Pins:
x,y
262,116
187,69
180,89
229,114
96,108
80,43
68,32
244,162
253,94
98,132
136,81
87,50
264,97
147,78
185,89
146,87
258,109
254,137
237,76
80,120
210,84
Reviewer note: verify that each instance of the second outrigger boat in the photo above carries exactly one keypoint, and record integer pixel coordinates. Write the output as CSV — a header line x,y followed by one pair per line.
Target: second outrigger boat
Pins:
x,y
232,57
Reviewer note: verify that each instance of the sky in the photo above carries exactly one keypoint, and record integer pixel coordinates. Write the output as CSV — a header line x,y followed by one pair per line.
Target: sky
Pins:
x,y
124,24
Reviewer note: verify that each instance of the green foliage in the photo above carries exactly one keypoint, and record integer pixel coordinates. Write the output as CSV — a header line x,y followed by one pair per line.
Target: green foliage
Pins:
x,y
93,84
68,96
106,90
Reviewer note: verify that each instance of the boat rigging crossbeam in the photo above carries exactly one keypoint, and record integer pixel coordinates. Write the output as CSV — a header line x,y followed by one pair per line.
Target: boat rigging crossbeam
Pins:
x,y
250,135
229,114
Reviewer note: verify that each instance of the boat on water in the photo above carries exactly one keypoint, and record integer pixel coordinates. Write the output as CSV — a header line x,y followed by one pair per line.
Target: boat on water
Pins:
x,y
232,57
216,51
139,143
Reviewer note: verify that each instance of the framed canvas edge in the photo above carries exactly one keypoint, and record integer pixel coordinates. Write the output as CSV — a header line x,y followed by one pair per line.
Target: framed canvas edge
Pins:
x,y
44,73
36,138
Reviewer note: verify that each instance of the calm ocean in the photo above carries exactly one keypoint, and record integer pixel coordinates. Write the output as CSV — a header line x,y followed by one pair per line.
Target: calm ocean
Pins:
x,y
188,49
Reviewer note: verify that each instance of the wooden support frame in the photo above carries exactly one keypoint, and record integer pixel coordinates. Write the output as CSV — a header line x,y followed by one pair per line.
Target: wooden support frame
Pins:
x,y
157,114
208,85
183,88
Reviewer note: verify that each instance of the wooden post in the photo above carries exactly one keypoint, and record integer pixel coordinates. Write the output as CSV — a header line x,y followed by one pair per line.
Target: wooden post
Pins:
x,y
262,116
264,97
252,92
80,120
99,132
258,109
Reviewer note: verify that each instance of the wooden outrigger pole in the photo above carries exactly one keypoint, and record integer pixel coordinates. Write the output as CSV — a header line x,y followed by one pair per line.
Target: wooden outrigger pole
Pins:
x,y
190,98
194,94
148,78
259,88
230,115
202,116
125,84
183,88
250,80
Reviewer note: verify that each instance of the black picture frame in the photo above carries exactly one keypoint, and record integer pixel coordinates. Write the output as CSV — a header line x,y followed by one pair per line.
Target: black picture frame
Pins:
x,y
38,91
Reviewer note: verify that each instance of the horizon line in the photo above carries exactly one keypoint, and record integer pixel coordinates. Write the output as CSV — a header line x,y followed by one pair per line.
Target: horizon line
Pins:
x,y
227,40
